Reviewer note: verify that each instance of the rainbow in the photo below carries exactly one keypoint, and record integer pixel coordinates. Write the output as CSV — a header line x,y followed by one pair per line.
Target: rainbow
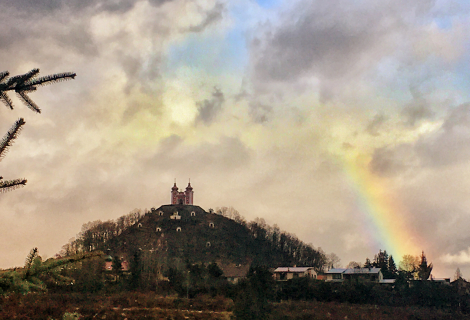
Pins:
x,y
382,215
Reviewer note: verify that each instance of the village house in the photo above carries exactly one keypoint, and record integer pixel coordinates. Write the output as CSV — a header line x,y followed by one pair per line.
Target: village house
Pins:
x,y
463,287
234,272
355,274
287,273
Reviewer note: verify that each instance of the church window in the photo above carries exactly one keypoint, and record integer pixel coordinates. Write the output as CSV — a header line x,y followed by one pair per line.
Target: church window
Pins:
x,y
178,229
159,229
193,214
139,225
211,225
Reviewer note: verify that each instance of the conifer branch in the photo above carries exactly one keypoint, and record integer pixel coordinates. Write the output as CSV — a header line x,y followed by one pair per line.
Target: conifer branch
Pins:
x,y
11,135
28,102
10,185
27,82
6,100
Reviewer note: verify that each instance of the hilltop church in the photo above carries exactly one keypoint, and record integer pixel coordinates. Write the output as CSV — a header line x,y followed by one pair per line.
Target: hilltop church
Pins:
x,y
182,197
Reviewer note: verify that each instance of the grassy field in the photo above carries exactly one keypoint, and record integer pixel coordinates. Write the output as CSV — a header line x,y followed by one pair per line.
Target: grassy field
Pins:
x,y
151,306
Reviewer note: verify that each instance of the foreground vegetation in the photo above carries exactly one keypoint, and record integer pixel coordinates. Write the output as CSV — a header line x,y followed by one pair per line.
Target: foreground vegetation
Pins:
x,y
138,305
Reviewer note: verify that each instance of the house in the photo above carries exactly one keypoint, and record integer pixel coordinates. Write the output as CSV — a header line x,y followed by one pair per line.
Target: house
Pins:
x,y
367,274
355,274
287,273
234,272
463,287
335,275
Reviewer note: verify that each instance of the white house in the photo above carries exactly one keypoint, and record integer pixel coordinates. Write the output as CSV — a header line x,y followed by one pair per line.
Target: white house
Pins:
x,y
287,273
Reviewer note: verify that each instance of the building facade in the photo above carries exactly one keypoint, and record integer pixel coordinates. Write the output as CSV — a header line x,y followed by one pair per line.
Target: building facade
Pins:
x,y
182,197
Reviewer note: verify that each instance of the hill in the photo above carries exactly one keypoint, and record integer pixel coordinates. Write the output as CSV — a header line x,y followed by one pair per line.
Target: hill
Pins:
x,y
174,234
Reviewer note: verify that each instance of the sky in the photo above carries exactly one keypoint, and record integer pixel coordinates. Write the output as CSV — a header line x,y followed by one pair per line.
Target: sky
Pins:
x,y
344,122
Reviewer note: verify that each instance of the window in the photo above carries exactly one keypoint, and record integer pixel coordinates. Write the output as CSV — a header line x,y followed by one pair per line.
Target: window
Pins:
x,y
139,225
208,244
178,229
158,229
211,225
160,213
193,214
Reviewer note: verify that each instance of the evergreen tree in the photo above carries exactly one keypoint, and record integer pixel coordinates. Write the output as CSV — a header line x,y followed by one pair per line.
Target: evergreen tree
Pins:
x,y
381,261
368,264
424,269
392,268
458,274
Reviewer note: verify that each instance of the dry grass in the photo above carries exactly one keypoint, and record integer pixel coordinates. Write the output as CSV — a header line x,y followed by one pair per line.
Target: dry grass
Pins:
x,y
136,305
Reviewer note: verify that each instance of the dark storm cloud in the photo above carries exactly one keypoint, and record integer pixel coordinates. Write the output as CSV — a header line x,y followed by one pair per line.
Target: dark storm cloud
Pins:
x,y
393,160
450,145
210,108
210,18
418,109
332,41
44,7
158,2
375,125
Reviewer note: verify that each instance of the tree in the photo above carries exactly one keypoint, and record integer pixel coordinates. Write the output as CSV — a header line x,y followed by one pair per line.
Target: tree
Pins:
x,y
22,85
252,301
424,269
408,263
353,265
368,264
381,261
392,268
458,275
332,261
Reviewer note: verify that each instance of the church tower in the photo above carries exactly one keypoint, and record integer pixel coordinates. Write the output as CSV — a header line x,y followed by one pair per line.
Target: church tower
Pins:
x,y
189,194
180,197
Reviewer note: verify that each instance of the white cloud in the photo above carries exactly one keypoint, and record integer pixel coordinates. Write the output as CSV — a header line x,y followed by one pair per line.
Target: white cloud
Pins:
x,y
462,257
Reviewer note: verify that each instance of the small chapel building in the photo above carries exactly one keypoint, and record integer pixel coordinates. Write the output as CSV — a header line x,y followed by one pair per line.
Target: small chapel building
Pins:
x,y
182,197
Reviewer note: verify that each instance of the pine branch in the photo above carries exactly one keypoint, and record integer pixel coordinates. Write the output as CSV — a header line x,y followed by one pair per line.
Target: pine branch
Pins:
x,y
27,82
28,102
10,185
10,136
51,79
3,75
6,100
22,78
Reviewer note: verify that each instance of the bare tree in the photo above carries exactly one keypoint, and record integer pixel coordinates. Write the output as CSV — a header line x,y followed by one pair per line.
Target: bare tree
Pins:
x,y
22,85
458,274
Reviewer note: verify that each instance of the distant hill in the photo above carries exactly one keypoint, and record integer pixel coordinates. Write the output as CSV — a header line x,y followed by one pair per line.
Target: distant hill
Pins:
x,y
173,234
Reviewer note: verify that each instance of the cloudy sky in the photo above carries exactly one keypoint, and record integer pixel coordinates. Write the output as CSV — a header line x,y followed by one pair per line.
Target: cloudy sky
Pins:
x,y
344,122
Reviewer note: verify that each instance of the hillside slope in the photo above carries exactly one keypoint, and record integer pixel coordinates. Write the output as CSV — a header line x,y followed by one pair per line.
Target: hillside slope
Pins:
x,y
187,233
